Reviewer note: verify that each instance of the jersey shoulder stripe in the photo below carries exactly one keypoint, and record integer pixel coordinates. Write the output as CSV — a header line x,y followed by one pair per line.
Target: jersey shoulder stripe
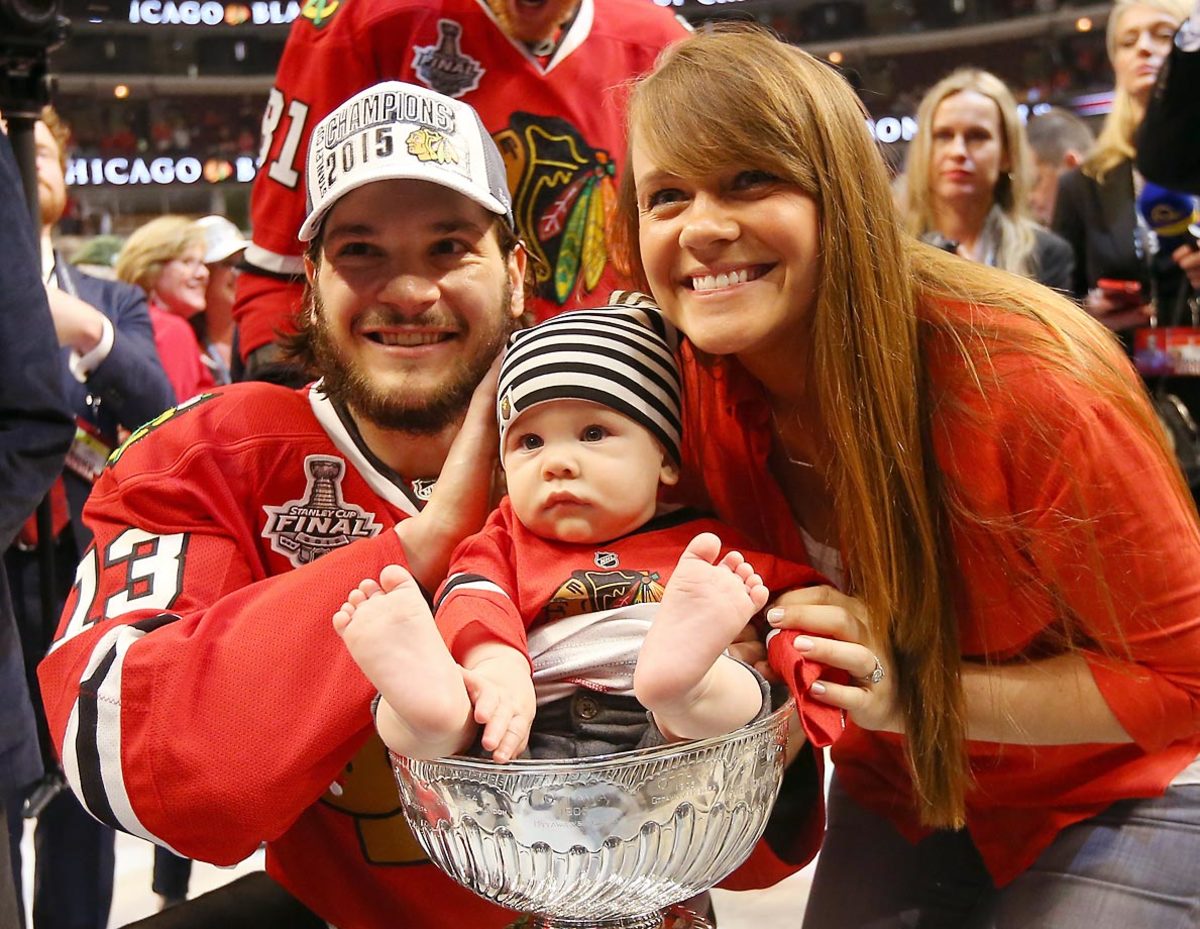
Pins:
x,y
468,583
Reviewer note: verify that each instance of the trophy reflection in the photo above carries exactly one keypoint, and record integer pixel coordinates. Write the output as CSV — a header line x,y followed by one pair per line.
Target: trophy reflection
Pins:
x,y
599,842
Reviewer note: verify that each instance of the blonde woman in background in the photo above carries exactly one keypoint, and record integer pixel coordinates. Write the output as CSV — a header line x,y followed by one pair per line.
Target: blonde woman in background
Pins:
x,y
967,180
976,465
1096,207
165,258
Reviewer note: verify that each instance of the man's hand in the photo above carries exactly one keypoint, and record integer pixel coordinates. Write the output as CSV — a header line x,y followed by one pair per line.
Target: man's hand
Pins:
x,y
500,686
462,497
78,325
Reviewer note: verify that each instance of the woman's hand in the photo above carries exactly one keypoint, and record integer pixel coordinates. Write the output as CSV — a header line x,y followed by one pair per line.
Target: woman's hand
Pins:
x,y
837,633
1116,313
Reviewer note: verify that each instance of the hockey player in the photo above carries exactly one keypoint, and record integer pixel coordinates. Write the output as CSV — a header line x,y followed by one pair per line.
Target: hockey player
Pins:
x,y
195,689
619,602
544,78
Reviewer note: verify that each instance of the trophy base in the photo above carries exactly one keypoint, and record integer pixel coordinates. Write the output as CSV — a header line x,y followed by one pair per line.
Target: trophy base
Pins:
x,y
673,917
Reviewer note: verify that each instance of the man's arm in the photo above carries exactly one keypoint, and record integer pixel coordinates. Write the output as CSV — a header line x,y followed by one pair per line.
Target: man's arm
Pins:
x,y
187,687
35,430
194,700
130,380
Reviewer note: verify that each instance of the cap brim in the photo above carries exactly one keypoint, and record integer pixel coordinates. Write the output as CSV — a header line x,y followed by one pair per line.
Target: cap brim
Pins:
x,y
225,250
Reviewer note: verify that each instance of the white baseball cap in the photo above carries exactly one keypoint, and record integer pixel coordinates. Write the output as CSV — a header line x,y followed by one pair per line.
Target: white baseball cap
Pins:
x,y
222,239
398,131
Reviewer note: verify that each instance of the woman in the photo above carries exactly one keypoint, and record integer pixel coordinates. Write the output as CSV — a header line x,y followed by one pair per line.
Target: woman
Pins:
x,y
1020,614
165,258
1095,211
967,180
223,249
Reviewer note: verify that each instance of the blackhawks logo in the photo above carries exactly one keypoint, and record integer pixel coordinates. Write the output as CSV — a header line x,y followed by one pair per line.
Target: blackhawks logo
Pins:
x,y
596,591
563,195
430,145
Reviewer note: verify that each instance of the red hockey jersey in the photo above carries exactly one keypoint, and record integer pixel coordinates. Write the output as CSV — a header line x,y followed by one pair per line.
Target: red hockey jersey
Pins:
x,y
559,123
197,691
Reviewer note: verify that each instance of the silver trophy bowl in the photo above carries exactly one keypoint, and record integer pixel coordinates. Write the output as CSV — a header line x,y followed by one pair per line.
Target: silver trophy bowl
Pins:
x,y
604,841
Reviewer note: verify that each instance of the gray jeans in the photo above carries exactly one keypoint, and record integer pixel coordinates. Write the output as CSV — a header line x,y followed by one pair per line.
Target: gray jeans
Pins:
x,y
1133,865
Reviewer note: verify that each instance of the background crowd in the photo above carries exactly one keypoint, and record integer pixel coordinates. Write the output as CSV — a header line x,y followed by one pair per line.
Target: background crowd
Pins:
x,y
185,304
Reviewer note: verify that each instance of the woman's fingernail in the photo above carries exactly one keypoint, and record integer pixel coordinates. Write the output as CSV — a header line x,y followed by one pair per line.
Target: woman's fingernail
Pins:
x,y
775,615
804,643
817,687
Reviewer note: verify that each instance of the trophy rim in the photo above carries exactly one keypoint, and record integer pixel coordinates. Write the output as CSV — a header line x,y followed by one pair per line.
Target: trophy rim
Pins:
x,y
607,761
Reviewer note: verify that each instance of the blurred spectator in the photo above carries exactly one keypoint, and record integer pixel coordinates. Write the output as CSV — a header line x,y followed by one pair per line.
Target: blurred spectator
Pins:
x,y
111,380
223,248
1059,141
98,255
165,258
1168,152
35,431
965,181
181,135
160,135
1095,210
120,141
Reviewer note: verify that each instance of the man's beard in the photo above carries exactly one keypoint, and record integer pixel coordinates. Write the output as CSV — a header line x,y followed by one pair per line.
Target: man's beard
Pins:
x,y
345,382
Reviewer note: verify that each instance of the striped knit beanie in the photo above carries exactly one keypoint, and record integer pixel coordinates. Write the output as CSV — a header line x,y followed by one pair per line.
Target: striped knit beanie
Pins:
x,y
620,356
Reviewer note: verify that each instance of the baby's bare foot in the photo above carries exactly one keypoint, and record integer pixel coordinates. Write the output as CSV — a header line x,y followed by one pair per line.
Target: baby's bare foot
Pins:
x,y
705,605
391,634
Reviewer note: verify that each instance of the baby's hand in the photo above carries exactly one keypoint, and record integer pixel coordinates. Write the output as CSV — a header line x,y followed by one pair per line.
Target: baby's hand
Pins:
x,y
504,705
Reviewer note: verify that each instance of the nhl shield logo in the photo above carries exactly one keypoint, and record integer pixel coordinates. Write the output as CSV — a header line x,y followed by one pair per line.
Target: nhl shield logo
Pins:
x,y
607,560
443,66
303,530
422,487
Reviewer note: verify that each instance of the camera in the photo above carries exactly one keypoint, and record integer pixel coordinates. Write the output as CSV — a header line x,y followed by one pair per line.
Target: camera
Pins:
x,y
29,29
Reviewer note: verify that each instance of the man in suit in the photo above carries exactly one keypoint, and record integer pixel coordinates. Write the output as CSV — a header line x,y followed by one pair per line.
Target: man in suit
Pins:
x,y
1059,139
35,431
112,380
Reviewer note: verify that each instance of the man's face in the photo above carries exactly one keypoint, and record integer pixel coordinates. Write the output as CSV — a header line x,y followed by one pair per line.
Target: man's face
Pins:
x,y
52,186
1043,191
532,21
222,285
412,300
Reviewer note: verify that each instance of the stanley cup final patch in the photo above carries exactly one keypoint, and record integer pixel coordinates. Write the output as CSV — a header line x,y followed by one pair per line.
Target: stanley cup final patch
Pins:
x,y
443,66
303,530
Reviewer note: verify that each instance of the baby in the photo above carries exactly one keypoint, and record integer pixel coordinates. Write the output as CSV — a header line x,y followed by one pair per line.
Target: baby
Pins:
x,y
583,597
